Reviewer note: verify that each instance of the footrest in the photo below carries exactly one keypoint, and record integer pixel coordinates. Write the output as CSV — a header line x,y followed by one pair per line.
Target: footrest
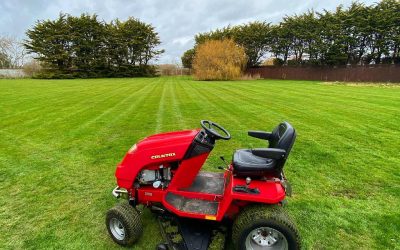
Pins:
x,y
192,205
208,182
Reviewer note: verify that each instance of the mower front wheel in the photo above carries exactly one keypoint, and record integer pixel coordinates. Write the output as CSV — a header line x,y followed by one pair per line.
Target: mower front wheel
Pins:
x,y
124,224
264,227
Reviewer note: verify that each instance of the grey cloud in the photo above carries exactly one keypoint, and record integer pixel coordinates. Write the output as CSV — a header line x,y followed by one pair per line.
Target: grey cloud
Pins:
x,y
177,21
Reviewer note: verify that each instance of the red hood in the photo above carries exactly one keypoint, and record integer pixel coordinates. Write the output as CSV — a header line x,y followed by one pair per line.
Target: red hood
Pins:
x,y
167,139
153,150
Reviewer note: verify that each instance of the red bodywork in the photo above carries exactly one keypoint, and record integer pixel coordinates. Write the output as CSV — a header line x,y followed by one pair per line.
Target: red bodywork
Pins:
x,y
169,150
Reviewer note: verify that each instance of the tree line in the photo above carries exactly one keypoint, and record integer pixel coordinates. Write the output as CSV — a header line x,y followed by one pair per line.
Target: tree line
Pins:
x,y
85,46
12,53
358,34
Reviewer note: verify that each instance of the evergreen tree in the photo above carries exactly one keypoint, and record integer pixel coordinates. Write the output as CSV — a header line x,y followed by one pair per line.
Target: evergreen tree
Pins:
x,y
187,58
84,46
358,34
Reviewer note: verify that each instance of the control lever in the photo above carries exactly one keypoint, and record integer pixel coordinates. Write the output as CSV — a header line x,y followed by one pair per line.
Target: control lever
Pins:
x,y
244,189
226,163
223,159
248,181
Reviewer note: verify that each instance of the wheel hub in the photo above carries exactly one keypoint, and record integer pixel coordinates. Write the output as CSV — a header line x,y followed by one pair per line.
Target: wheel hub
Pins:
x,y
266,238
117,229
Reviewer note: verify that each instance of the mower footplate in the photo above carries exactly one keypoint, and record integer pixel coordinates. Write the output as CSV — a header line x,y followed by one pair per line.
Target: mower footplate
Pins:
x,y
209,183
192,205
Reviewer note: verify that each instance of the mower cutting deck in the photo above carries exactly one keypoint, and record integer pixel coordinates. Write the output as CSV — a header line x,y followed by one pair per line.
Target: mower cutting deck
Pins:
x,y
162,172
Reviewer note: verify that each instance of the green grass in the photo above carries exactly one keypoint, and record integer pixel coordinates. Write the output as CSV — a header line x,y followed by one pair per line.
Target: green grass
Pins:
x,y
61,141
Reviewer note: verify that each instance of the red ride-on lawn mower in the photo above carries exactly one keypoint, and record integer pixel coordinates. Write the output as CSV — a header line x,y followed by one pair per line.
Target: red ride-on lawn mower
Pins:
x,y
162,172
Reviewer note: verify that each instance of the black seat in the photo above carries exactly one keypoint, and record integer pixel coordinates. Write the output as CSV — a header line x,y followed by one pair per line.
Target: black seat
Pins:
x,y
246,163
263,161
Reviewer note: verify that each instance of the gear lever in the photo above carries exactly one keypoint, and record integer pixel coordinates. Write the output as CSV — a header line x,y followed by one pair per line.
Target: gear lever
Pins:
x,y
223,159
248,181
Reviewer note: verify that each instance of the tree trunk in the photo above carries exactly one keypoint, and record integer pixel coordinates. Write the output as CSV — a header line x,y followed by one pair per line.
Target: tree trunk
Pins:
x,y
394,53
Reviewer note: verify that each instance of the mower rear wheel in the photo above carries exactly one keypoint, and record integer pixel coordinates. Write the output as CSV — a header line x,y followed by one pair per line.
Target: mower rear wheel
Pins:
x,y
264,227
124,224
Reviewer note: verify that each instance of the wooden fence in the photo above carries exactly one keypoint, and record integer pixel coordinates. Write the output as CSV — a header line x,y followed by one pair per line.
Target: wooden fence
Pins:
x,y
368,73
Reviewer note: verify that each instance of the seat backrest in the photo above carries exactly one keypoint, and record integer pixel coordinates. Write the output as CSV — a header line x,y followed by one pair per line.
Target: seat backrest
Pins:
x,y
283,137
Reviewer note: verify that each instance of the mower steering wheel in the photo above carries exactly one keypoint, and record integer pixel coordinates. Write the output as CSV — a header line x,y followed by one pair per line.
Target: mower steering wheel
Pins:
x,y
209,126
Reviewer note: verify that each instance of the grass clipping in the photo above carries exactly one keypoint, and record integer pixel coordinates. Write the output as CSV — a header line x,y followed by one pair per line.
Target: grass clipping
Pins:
x,y
219,60
218,240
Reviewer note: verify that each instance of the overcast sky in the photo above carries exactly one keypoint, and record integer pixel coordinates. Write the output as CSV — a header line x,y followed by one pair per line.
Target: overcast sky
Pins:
x,y
177,21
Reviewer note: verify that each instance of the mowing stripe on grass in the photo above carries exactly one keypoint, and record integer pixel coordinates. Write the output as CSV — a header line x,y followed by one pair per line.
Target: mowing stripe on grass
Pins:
x,y
160,110
61,140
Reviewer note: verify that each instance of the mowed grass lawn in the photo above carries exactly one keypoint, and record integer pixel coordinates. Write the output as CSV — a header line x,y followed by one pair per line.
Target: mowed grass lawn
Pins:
x,y
62,139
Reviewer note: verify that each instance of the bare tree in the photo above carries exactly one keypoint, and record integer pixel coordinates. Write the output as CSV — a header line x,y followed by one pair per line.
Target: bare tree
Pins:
x,y
12,52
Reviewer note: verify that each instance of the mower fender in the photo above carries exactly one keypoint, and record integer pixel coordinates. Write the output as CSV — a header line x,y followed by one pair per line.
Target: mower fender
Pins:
x,y
270,192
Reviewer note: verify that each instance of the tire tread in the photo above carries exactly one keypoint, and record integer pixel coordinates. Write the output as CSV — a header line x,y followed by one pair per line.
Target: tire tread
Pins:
x,y
258,212
132,223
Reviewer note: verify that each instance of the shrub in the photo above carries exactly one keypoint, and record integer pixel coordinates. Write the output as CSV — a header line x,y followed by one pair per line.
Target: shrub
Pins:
x,y
187,58
277,62
172,70
219,60
293,62
268,62
122,71
248,77
32,68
